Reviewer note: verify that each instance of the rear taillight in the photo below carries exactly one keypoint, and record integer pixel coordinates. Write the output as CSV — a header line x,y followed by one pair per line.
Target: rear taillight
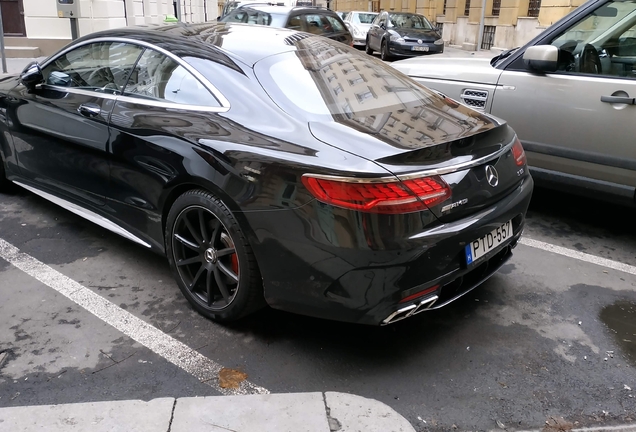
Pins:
x,y
387,197
518,153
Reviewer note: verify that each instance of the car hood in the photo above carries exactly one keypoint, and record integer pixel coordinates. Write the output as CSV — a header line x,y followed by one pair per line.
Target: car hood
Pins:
x,y
425,35
474,70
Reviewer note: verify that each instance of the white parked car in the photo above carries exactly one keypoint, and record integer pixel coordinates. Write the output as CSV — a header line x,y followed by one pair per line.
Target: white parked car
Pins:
x,y
358,23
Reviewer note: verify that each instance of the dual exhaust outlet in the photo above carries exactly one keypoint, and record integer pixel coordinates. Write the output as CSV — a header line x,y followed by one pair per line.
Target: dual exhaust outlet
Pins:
x,y
410,310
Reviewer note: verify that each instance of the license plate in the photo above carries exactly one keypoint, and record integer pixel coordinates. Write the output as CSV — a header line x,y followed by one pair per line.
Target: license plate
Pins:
x,y
481,246
419,48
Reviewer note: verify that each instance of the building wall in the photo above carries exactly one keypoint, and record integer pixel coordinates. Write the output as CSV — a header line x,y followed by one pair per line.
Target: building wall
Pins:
x,y
47,31
513,26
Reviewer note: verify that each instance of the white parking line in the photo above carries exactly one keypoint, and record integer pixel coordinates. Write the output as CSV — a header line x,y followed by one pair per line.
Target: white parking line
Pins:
x,y
151,337
581,256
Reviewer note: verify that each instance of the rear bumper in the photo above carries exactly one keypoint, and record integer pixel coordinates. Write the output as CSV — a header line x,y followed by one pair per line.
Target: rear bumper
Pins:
x,y
340,265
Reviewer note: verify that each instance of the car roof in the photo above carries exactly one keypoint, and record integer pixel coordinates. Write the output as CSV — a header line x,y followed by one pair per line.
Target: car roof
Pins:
x,y
244,42
366,12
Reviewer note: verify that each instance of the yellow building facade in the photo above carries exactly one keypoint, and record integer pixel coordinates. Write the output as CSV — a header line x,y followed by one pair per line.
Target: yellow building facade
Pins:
x,y
508,23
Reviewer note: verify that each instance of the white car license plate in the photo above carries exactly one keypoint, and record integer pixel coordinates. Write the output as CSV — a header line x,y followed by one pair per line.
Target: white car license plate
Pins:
x,y
419,48
481,246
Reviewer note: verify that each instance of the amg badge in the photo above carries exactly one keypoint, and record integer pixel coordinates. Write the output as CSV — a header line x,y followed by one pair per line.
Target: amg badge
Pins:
x,y
454,205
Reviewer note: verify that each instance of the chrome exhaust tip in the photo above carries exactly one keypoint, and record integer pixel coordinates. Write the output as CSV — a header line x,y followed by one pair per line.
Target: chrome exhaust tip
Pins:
x,y
409,310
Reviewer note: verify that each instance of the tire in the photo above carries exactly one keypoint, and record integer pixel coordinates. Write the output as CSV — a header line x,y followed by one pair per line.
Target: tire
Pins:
x,y
384,51
367,48
211,259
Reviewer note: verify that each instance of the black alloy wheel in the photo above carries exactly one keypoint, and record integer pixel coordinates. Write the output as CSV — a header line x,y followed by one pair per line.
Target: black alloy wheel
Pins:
x,y
384,51
367,48
210,258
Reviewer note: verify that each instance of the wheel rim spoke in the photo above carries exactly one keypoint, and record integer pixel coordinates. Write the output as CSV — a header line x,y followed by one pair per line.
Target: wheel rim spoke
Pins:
x,y
184,241
196,277
221,284
229,273
193,232
224,252
216,234
202,227
208,286
183,262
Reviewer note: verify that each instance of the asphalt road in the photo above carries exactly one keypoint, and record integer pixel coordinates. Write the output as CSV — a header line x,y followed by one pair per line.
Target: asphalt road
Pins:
x,y
527,345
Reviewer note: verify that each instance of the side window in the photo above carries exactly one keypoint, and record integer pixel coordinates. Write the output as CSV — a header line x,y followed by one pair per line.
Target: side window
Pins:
x,y
602,43
316,25
158,77
102,66
335,24
237,17
294,23
260,18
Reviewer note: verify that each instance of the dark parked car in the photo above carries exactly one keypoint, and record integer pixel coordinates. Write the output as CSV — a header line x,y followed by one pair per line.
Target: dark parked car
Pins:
x,y
314,20
270,166
403,34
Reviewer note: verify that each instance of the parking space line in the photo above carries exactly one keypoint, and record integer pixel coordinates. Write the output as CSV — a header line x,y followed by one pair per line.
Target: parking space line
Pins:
x,y
581,256
137,329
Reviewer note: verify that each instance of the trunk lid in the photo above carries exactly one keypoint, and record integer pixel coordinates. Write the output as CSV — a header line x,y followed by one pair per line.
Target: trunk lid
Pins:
x,y
464,161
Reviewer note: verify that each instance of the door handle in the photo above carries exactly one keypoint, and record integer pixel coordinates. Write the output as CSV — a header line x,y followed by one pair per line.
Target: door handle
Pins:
x,y
617,100
89,110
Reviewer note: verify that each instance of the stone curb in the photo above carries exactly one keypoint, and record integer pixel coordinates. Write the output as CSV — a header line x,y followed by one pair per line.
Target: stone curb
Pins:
x,y
292,412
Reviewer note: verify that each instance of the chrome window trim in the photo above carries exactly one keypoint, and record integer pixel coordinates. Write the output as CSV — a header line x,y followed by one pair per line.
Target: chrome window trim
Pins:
x,y
80,91
170,105
134,100
225,104
423,173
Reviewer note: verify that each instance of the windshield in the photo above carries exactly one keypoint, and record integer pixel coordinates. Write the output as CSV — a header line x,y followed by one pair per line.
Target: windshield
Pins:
x,y
326,81
411,21
364,18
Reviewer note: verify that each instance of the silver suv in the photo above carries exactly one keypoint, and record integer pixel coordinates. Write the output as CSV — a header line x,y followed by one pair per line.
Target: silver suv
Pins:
x,y
569,93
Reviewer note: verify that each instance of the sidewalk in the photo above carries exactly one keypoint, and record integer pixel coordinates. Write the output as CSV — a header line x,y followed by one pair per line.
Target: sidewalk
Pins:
x,y
290,412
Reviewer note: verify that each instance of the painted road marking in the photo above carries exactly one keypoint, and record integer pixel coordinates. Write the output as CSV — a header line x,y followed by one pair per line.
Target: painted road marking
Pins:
x,y
175,352
581,256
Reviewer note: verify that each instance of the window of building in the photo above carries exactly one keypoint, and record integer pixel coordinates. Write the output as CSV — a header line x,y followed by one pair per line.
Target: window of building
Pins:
x,y
158,77
496,7
444,8
467,8
533,8
488,38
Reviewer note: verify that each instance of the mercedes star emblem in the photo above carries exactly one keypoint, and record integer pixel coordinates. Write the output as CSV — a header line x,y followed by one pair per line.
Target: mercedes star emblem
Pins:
x,y
211,255
492,176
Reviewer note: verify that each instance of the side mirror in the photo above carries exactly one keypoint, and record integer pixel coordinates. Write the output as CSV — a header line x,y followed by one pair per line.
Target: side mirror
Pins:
x,y
543,58
32,76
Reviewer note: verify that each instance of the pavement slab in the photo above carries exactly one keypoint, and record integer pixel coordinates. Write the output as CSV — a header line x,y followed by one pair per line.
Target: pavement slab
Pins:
x,y
118,416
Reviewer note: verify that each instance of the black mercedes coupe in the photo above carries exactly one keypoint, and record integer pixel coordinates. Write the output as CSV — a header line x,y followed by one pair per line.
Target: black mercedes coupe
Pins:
x,y
271,167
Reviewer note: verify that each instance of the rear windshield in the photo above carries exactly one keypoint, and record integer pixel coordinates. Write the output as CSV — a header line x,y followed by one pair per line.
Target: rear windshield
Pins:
x,y
364,18
325,80
410,21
